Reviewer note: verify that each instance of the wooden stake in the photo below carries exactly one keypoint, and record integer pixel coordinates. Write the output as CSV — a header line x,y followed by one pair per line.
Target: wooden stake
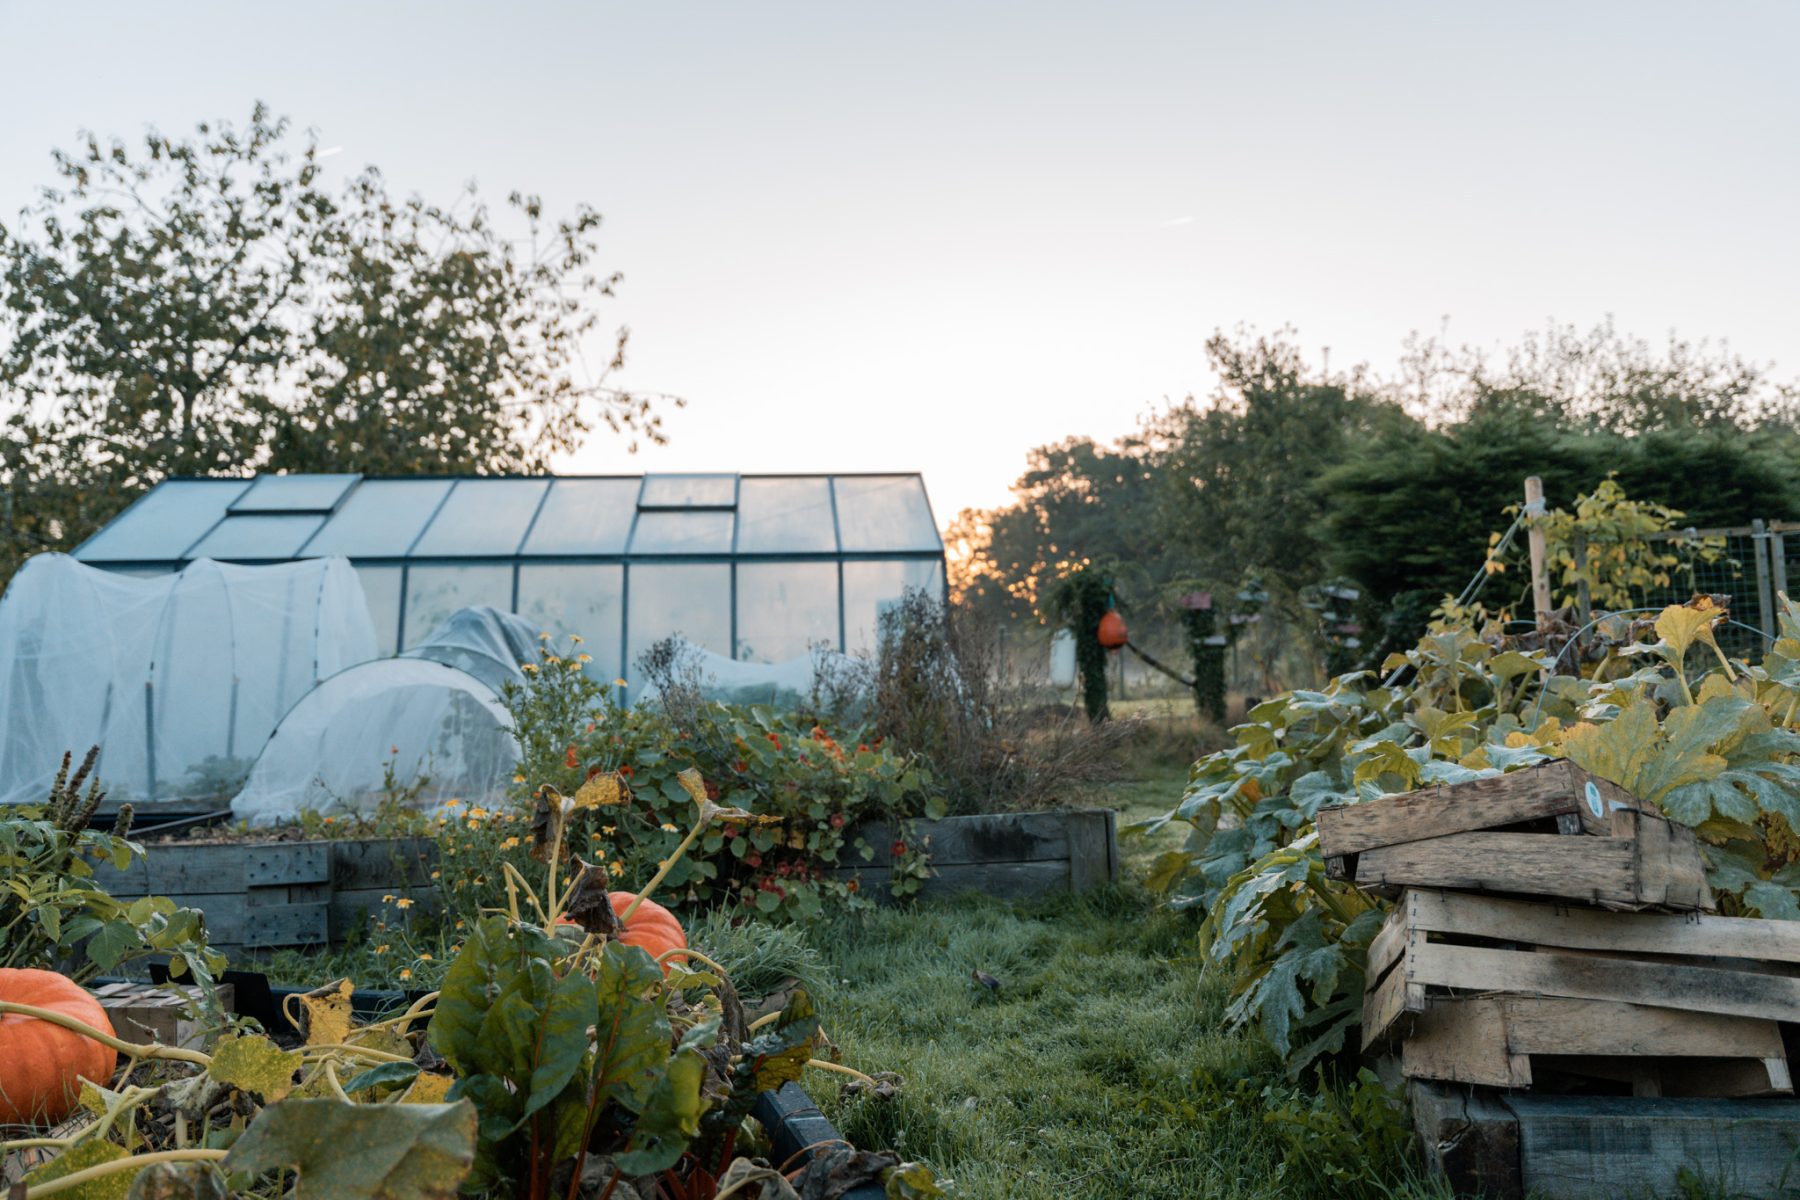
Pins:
x,y
1534,536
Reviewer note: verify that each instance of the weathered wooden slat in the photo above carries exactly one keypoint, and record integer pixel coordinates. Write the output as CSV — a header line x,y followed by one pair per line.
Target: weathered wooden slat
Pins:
x,y
1395,996
1577,868
1693,987
1468,1138
1492,1040
356,908
1385,949
1093,848
210,869
1667,859
231,920
386,863
1008,881
1588,1146
1551,790
1589,929
995,837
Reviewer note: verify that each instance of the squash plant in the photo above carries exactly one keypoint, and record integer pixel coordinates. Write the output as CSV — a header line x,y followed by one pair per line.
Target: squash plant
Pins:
x,y
1662,712
552,1063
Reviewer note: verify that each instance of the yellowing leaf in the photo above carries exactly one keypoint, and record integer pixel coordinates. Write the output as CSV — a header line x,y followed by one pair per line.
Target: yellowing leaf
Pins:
x,y
602,791
1682,625
692,782
255,1064
428,1089
328,1014
79,1157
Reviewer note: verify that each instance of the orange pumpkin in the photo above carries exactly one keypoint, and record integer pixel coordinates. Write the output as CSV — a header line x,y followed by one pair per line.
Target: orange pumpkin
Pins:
x,y
652,926
1111,633
42,1064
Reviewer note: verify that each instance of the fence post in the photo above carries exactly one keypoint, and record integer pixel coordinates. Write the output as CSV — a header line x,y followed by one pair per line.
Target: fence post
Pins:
x,y
1584,603
1759,540
1534,537
1778,565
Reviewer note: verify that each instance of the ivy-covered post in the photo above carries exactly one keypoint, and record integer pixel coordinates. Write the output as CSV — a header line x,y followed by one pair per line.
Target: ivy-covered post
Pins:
x,y
1207,645
1079,602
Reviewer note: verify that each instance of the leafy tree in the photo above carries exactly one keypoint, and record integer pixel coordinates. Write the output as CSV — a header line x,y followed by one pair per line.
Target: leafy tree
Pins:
x,y
208,305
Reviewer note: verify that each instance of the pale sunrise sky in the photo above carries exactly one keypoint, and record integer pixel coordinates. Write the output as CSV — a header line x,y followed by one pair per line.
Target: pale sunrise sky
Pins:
x,y
932,235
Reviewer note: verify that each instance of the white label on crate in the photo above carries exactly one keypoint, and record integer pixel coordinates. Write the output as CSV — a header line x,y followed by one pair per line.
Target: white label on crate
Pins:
x,y
1595,805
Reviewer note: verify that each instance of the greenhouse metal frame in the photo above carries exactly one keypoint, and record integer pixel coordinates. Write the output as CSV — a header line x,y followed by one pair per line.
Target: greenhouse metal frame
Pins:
x,y
424,545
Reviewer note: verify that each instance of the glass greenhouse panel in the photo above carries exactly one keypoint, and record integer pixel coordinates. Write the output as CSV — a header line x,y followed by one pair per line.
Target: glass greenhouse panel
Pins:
x,y
162,525
258,535
665,599
583,600
482,517
381,518
585,516
433,593
884,512
786,516
381,587
784,609
294,493
872,588
700,532
688,491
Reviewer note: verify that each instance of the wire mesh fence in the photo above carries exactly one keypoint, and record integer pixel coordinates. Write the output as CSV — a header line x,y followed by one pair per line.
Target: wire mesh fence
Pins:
x,y
1738,572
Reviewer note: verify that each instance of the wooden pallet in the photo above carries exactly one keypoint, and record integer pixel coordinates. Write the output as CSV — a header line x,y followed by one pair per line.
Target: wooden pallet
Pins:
x,y
1448,944
1511,1041
1523,834
1507,1146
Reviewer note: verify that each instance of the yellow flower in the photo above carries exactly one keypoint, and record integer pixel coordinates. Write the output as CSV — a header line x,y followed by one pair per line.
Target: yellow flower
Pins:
x,y
403,902
509,843
670,828
406,972
518,779
473,824
584,658
544,637
528,668
460,922
619,683
387,899
478,813
382,949
618,868
593,837
551,658
453,804
576,638
424,957
435,874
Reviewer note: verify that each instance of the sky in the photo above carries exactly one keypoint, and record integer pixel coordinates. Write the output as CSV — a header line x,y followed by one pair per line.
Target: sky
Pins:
x,y
932,236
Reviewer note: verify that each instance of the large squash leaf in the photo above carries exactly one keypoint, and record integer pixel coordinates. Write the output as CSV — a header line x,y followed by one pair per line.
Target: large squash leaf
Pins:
x,y
361,1151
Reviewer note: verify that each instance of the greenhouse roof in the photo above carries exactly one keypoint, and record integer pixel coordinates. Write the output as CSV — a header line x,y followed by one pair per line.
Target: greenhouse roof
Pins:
x,y
280,517
756,568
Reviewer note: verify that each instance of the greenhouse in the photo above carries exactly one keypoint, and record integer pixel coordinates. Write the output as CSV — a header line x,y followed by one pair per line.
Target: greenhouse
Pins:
x,y
750,568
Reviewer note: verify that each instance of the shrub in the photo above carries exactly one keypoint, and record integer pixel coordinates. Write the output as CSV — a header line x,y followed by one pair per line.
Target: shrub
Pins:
x,y
52,913
942,691
819,784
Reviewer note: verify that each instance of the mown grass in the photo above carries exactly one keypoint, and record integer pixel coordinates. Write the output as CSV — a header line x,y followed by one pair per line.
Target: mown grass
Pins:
x,y
1100,1067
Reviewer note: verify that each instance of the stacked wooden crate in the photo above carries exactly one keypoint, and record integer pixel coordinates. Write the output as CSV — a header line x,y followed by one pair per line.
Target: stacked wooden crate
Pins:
x,y
1552,934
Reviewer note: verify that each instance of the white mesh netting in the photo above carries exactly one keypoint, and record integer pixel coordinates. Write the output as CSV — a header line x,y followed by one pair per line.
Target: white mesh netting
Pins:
x,y
178,678
422,728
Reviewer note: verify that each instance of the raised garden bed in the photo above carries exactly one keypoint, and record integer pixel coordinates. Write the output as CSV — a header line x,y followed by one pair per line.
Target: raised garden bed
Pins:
x,y
261,895
1015,856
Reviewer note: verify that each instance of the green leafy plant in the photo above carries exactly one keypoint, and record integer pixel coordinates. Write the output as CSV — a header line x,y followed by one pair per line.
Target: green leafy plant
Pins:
x,y
52,912
1673,720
